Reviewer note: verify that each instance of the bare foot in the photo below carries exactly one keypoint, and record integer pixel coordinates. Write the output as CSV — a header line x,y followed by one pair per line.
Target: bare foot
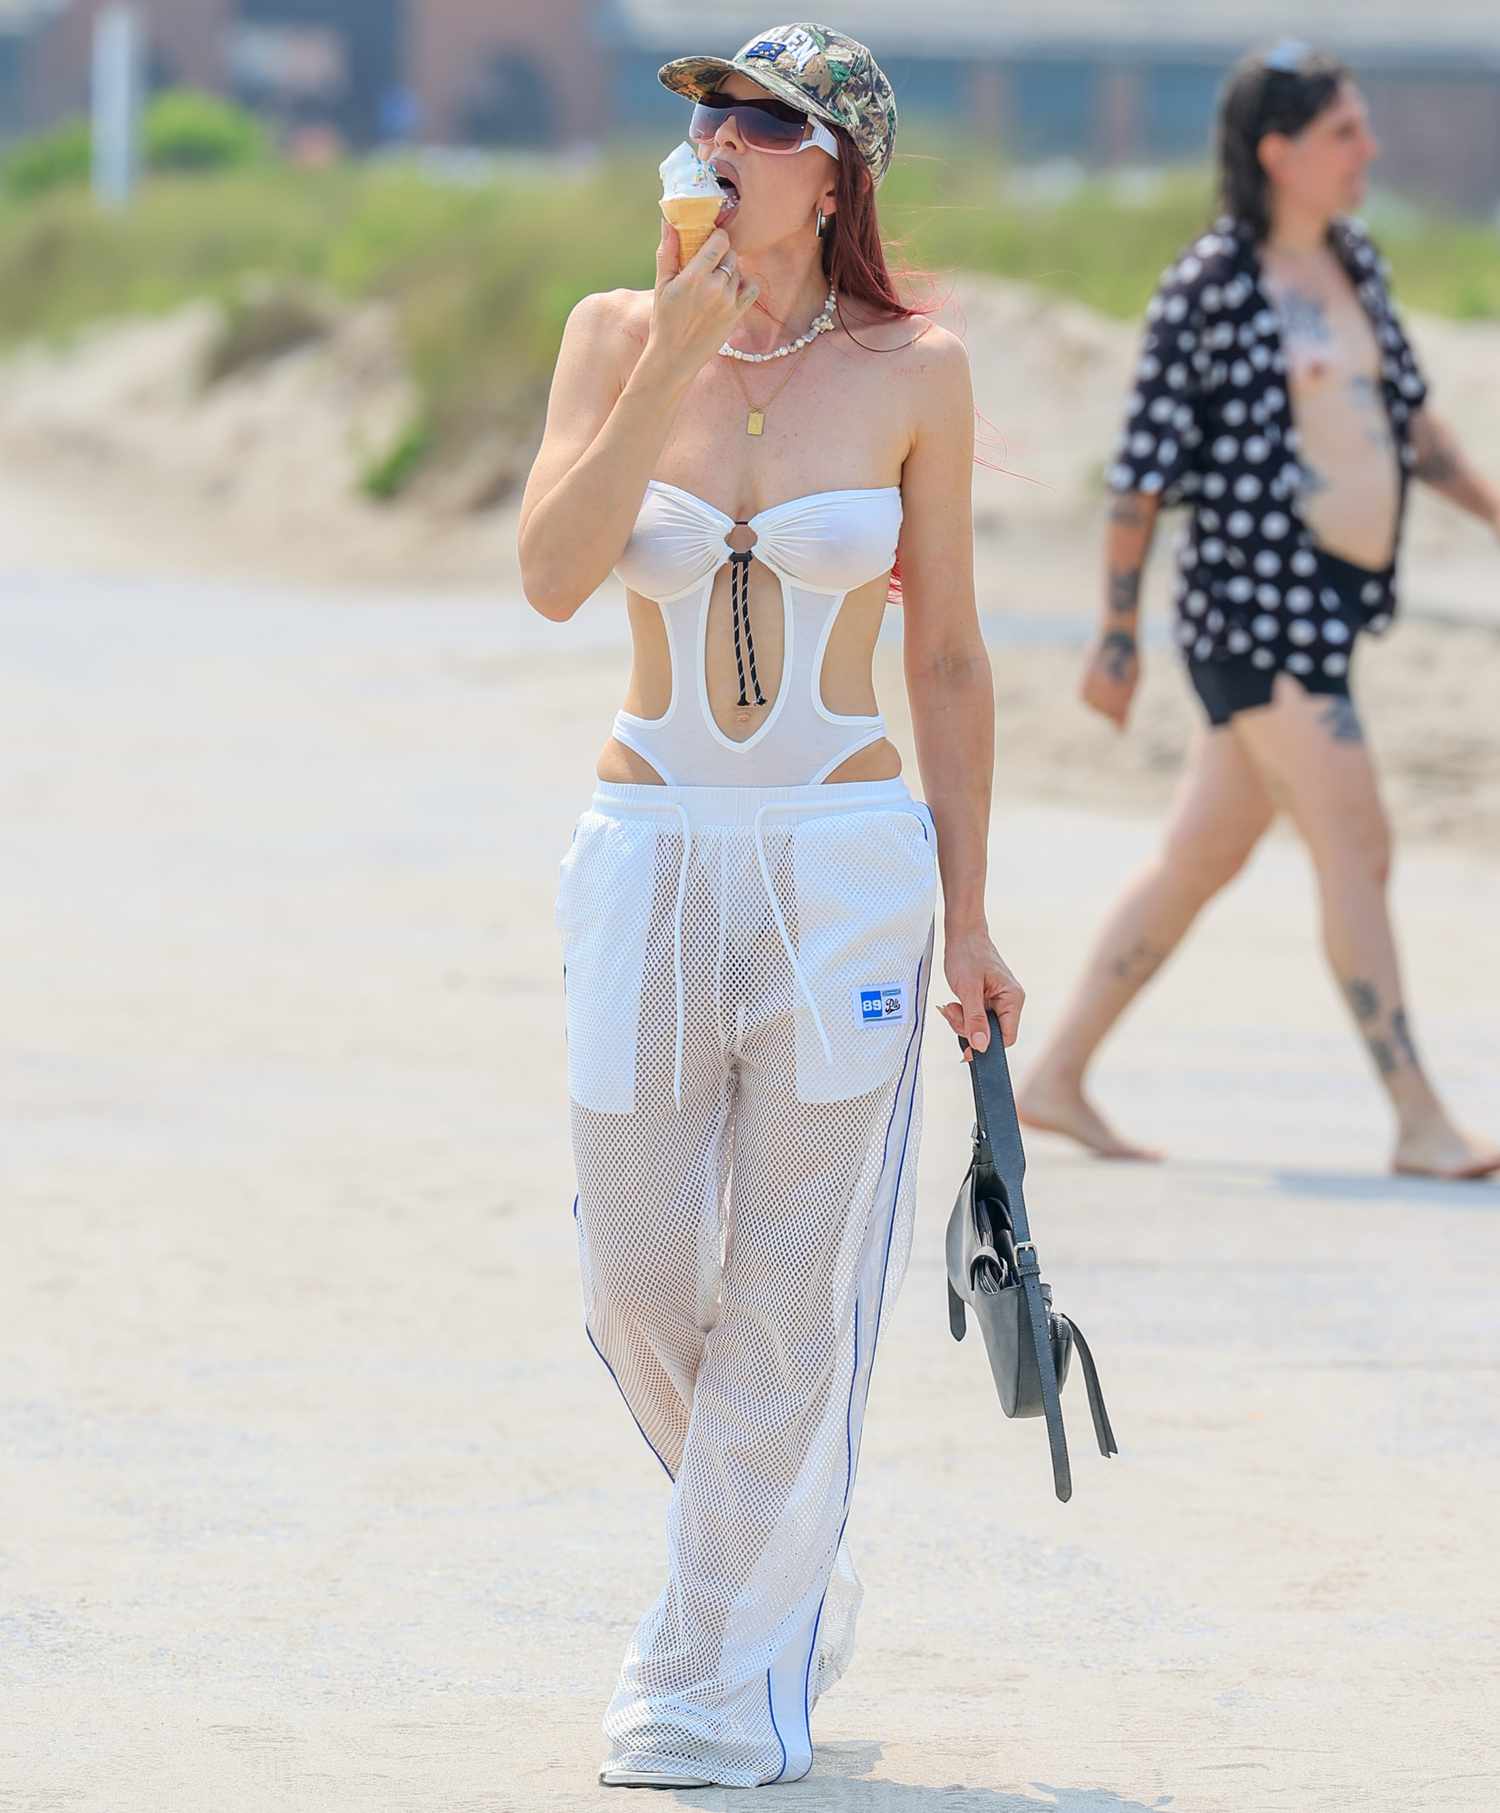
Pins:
x,y
1055,1106
1439,1149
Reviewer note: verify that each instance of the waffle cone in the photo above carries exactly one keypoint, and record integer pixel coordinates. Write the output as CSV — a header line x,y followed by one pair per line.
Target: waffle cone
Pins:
x,y
693,216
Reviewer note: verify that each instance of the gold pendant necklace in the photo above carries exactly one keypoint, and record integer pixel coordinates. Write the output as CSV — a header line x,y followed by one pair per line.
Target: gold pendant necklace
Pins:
x,y
755,418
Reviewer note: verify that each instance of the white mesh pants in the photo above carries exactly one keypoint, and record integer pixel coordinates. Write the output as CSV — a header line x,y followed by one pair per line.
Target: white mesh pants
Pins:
x,y
746,977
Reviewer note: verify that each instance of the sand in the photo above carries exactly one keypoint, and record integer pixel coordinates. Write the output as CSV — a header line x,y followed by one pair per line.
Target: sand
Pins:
x,y
316,1497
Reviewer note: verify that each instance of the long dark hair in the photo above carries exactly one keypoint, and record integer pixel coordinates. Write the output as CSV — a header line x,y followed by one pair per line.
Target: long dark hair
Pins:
x,y
1280,90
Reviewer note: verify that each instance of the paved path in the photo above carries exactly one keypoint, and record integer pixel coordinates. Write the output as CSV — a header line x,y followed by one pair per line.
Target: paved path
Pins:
x,y
314,1496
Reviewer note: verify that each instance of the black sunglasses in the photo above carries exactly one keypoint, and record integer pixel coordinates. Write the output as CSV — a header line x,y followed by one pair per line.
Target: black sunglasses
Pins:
x,y
766,125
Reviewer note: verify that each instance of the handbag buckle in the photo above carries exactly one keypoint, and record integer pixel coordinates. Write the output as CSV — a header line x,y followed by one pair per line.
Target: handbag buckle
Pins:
x,y
1022,1245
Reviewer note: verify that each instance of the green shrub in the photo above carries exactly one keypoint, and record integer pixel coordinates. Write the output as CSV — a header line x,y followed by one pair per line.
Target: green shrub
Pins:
x,y
187,130
480,275
182,130
387,476
58,159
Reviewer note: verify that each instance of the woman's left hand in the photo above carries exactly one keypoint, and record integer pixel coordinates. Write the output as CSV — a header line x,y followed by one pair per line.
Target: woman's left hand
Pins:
x,y
980,978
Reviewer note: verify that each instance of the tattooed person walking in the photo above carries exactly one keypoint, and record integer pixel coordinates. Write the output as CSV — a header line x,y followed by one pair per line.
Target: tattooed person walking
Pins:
x,y
1278,399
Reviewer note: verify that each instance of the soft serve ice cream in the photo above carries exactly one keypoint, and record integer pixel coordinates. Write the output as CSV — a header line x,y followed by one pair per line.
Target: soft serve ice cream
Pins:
x,y
690,198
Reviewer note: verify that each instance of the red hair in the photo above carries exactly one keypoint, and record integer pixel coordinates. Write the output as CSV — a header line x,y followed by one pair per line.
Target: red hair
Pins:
x,y
855,262
854,254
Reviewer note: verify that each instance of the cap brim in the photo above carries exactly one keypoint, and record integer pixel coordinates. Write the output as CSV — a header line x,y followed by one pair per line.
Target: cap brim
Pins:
x,y
694,76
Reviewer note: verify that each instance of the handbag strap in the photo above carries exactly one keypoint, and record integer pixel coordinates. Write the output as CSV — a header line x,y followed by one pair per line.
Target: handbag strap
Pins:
x,y
1000,1145
1103,1432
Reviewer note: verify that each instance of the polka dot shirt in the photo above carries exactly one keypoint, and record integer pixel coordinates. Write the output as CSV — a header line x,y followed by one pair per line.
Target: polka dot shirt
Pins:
x,y
1209,425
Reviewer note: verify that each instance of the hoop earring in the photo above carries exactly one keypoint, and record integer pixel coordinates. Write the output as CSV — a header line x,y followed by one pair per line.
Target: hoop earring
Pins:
x,y
820,229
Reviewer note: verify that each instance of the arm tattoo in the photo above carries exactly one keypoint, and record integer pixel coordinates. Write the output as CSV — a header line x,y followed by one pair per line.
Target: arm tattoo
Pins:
x,y
1127,512
1119,654
1441,463
1437,467
1341,720
1125,590
1314,483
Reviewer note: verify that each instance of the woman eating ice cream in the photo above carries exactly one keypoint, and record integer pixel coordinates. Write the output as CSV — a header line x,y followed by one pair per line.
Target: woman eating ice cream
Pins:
x,y
755,447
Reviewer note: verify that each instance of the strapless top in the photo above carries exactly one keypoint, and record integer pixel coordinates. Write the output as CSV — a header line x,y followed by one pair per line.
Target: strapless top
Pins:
x,y
820,547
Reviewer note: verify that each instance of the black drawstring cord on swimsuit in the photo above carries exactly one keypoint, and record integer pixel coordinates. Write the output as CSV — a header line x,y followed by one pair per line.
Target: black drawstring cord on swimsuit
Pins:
x,y
739,607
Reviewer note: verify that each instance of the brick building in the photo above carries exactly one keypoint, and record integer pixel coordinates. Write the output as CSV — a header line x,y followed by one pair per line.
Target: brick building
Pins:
x,y
188,40
500,71
542,64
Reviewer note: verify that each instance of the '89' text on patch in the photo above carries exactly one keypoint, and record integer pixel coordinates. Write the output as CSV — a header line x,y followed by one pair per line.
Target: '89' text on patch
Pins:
x,y
882,1004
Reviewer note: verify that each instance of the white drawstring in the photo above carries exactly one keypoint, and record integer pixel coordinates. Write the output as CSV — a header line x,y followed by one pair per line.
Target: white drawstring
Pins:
x,y
786,937
679,930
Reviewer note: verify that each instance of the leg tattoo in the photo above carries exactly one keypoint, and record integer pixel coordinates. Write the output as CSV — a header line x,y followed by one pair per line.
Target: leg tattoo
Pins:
x,y
1401,1033
1388,1036
1341,720
1139,963
1364,998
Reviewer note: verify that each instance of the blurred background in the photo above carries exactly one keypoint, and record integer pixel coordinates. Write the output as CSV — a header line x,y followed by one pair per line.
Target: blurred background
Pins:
x,y
1087,79
315,343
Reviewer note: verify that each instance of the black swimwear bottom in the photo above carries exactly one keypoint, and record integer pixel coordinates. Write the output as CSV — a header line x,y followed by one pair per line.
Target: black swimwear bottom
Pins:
x,y
1237,684
1226,687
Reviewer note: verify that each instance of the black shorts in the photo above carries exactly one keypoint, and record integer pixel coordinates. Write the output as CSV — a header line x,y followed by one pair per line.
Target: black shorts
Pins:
x,y
1226,687
1240,683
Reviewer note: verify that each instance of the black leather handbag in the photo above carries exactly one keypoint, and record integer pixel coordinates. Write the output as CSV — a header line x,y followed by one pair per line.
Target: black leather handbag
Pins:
x,y
993,1271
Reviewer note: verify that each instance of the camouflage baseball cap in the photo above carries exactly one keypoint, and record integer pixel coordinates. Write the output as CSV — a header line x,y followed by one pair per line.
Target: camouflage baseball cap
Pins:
x,y
825,74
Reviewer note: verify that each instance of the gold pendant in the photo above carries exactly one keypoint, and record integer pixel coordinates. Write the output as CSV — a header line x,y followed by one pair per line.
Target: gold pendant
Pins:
x,y
755,422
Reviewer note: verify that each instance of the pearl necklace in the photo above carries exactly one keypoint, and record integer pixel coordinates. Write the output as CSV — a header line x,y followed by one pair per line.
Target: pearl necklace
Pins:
x,y
822,325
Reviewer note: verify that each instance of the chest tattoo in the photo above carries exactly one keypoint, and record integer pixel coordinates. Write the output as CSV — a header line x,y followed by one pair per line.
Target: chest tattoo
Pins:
x,y
1304,317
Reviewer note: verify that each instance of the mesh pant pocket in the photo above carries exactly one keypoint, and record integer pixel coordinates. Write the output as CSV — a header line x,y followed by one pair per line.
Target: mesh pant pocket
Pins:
x,y
864,888
604,901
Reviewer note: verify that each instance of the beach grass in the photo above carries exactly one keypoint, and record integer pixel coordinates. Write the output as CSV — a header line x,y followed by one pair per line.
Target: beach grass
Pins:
x,y
483,260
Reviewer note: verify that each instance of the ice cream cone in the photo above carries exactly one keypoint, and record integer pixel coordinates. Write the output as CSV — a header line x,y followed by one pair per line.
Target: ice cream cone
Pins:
x,y
693,216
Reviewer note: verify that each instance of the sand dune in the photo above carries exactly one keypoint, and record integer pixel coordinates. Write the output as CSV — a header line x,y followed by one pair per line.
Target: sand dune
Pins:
x,y
115,461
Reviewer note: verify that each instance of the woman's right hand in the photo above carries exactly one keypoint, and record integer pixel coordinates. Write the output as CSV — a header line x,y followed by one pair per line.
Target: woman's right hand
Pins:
x,y
697,306
1111,675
